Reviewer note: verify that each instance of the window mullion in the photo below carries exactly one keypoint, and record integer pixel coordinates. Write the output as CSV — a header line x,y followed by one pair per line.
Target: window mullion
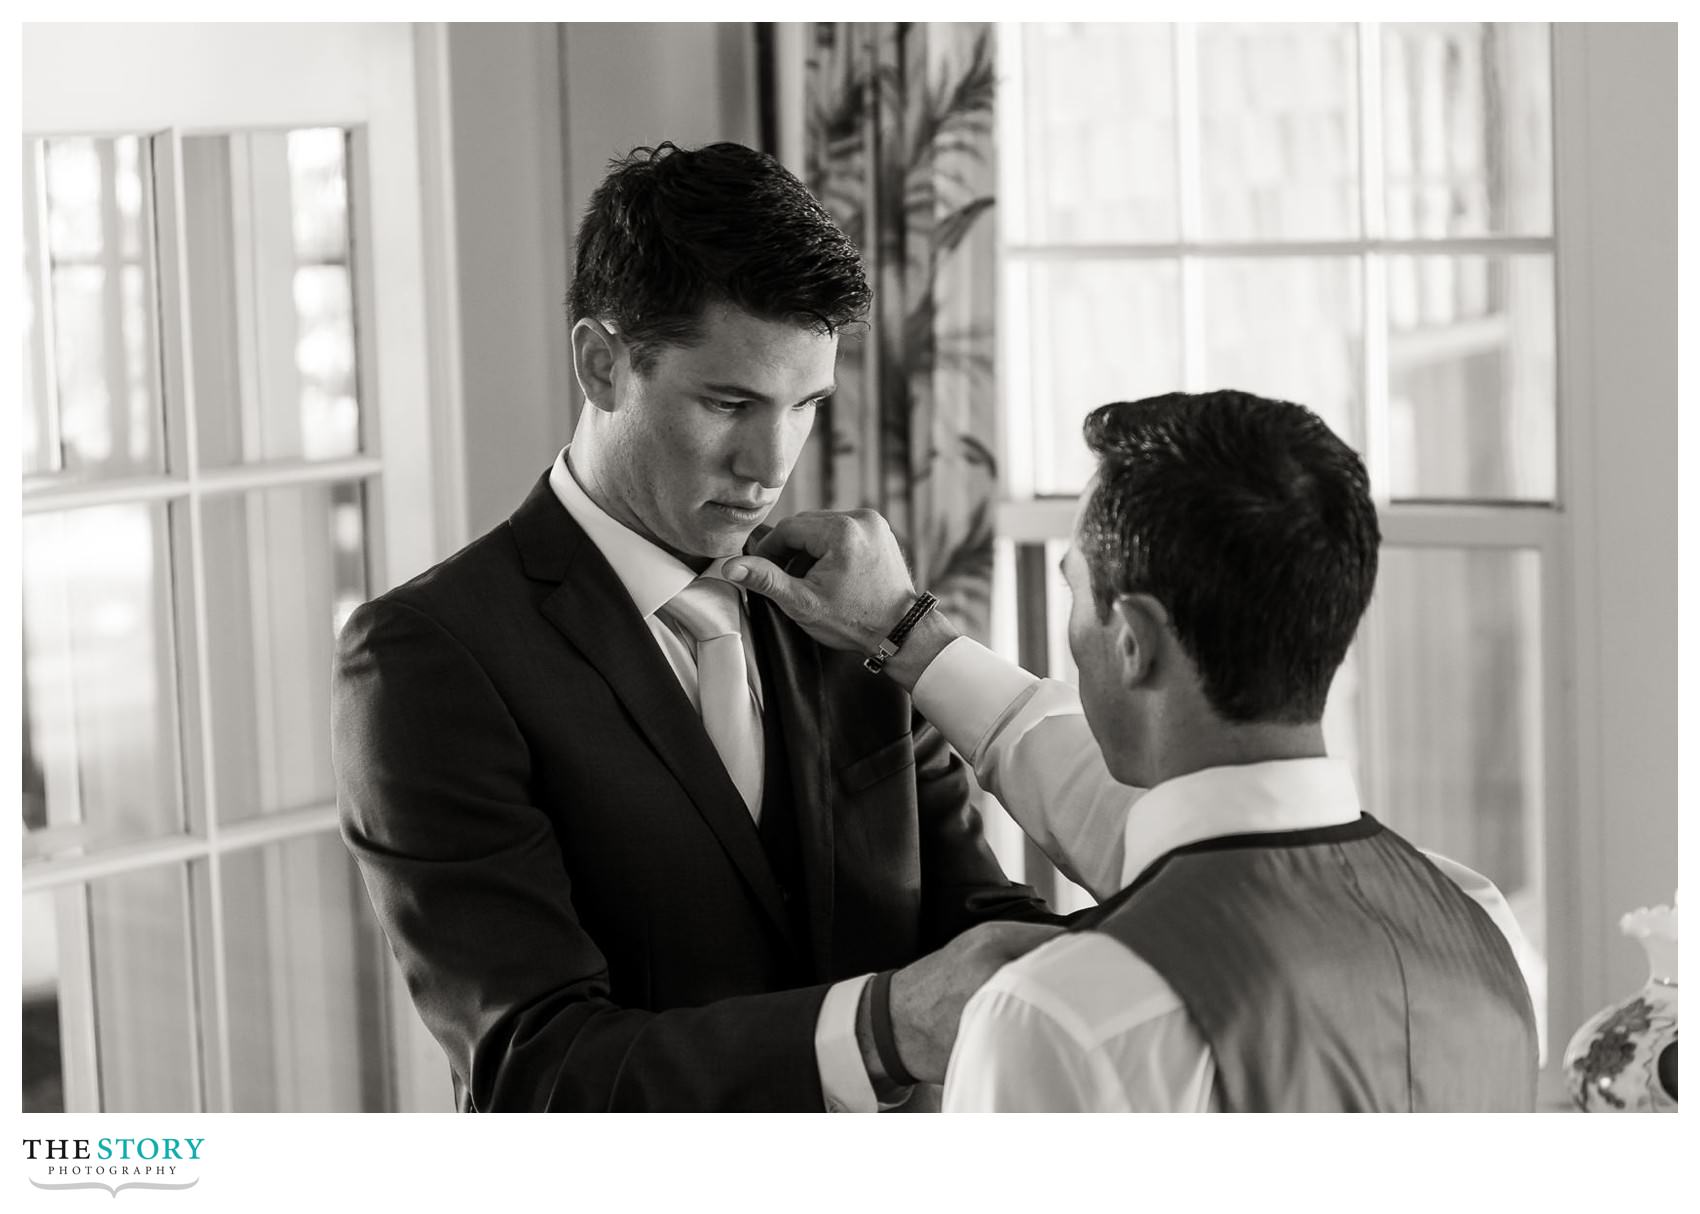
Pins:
x,y
44,371
1372,214
190,583
1189,185
79,1042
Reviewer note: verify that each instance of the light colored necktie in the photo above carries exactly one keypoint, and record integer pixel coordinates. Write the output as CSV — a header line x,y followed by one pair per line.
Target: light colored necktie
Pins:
x,y
708,609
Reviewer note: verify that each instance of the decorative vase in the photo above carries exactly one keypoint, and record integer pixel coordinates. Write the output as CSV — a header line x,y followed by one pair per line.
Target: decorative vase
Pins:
x,y
1623,1060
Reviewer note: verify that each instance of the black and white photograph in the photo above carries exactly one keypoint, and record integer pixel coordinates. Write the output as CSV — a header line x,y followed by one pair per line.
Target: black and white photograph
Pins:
x,y
965,566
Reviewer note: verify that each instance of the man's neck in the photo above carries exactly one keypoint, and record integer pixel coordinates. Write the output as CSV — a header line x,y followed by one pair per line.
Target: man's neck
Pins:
x,y
584,466
1231,745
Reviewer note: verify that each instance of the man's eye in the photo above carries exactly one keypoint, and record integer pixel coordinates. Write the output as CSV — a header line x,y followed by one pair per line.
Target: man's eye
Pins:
x,y
816,403
724,406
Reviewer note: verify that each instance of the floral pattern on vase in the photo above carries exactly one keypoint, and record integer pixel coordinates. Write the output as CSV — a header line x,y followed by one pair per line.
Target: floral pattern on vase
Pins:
x,y
1623,1060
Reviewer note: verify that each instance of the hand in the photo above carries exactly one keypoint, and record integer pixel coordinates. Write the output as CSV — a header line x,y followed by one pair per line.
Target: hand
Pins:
x,y
853,594
928,995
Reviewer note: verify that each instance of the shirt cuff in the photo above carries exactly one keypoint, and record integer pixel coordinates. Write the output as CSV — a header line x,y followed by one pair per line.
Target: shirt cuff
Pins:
x,y
966,691
844,1080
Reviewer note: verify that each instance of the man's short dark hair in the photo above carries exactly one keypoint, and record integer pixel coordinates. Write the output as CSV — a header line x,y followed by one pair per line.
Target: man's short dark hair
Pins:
x,y
671,230
1251,522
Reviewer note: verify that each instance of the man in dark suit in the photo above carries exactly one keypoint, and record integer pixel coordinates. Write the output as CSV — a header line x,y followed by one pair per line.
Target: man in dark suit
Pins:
x,y
639,843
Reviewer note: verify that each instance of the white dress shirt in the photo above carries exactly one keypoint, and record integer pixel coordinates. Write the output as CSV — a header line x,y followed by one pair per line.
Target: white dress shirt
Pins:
x,y
1082,1023
652,577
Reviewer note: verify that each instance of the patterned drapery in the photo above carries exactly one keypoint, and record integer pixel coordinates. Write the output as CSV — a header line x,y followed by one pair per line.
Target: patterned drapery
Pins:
x,y
900,149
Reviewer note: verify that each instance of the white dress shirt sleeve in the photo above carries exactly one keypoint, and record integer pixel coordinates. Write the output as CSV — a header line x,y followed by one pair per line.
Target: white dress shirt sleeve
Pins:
x,y
1031,748
844,1081
1079,1025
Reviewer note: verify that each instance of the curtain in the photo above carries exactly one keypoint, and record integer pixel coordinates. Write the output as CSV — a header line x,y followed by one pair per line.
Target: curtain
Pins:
x,y
899,147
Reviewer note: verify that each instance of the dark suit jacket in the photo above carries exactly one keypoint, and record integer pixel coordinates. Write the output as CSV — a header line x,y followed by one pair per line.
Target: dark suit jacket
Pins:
x,y
580,902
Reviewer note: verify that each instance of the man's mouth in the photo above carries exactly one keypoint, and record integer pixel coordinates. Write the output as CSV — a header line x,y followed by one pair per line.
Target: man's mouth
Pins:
x,y
743,511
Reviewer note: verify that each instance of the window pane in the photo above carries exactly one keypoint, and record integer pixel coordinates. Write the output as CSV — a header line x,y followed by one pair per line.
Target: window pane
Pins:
x,y
92,404
43,1070
285,568
1092,332
1278,133
144,998
1472,375
100,742
1098,134
1468,120
1459,694
271,295
1290,329
304,965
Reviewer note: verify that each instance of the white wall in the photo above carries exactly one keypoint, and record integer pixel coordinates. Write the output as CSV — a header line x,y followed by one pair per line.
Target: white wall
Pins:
x,y
634,84
1617,229
512,259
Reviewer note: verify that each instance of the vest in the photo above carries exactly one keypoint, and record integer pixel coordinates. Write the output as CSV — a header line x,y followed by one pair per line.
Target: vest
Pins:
x,y
1334,970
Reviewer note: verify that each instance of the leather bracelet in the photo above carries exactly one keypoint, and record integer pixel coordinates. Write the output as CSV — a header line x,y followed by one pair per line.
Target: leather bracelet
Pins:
x,y
885,1037
875,662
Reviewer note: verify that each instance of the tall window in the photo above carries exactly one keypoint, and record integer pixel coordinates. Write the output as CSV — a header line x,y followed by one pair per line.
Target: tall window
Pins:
x,y
197,468
1358,218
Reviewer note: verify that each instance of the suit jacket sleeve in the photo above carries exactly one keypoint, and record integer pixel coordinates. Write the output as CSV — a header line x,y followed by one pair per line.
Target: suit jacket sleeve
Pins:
x,y
467,878
961,881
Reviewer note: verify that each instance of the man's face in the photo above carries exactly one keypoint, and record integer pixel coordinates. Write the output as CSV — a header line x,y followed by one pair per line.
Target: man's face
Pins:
x,y
708,437
1110,711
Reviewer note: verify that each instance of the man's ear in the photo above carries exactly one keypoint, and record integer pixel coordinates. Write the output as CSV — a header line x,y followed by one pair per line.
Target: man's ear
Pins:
x,y
597,350
1141,636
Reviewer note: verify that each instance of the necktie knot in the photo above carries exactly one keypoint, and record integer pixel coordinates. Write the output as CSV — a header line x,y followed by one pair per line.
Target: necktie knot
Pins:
x,y
707,608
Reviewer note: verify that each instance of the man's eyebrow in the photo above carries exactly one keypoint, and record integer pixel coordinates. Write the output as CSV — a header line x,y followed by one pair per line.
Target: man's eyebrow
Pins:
x,y
739,392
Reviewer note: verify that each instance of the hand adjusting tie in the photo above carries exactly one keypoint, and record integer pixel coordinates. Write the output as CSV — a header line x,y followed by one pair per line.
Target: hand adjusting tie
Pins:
x,y
876,661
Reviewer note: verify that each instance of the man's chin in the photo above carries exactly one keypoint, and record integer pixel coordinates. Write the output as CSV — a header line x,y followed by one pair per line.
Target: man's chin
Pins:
x,y
715,543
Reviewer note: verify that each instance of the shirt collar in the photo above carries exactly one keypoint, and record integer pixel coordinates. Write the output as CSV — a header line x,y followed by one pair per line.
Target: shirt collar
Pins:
x,y
1255,798
651,575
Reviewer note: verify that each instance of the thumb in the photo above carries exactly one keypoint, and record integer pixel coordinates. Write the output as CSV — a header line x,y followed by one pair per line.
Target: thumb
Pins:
x,y
761,575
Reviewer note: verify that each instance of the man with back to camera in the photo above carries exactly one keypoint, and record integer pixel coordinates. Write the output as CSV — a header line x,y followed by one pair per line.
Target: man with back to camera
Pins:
x,y
636,842
1261,943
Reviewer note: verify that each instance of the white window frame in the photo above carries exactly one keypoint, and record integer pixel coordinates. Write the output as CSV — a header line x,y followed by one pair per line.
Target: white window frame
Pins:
x,y
170,81
1611,527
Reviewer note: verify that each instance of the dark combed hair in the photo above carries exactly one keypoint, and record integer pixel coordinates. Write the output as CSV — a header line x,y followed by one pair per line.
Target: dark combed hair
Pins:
x,y
672,230
1251,522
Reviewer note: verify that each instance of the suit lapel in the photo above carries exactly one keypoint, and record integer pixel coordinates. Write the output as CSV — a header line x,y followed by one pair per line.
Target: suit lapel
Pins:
x,y
794,689
593,611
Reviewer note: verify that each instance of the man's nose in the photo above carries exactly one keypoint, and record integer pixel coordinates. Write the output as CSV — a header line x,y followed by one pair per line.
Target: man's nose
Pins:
x,y
764,454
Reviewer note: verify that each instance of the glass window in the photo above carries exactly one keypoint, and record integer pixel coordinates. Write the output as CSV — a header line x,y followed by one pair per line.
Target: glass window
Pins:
x,y
43,1063
100,744
1289,328
144,998
1099,135
1294,258
304,966
285,569
271,296
1277,131
92,405
1472,378
1467,110
1095,331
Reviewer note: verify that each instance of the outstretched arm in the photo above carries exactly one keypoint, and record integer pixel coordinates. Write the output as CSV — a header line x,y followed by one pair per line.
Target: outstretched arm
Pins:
x,y
1027,738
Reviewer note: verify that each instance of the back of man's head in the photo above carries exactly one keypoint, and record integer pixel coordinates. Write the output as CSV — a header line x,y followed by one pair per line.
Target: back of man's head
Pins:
x,y
1251,522
671,230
